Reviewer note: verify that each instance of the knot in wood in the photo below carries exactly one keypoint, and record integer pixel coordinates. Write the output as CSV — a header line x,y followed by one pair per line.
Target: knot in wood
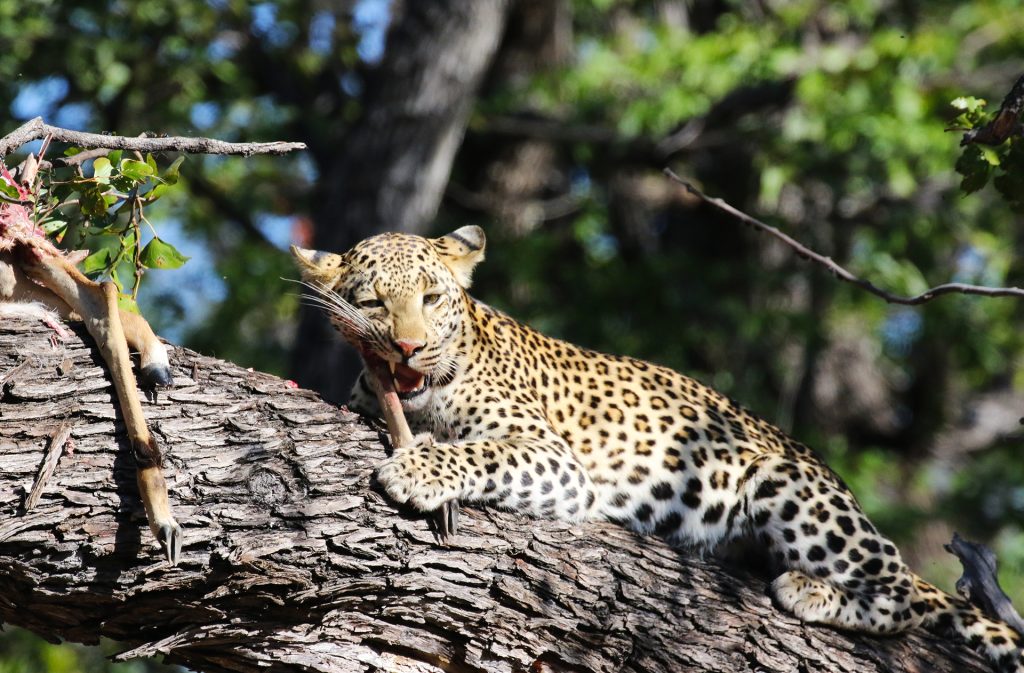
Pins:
x,y
267,487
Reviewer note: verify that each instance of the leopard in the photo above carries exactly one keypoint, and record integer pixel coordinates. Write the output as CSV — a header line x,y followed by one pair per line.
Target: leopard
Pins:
x,y
509,417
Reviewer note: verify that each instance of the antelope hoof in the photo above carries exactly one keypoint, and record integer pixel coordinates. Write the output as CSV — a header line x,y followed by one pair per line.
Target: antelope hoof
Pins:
x,y
169,535
153,375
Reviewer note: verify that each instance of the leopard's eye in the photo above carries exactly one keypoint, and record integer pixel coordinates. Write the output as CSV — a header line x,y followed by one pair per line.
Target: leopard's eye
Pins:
x,y
431,299
370,303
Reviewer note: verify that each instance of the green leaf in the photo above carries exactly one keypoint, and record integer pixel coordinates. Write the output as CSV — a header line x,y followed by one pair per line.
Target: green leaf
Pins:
x,y
155,193
126,303
123,183
101,168
170,177
171,174
151,162
1011,186
9,190
159,254
974,168
136,170
97,261
969,103
116,280
990,155
61,192
50,227
114,156
91,202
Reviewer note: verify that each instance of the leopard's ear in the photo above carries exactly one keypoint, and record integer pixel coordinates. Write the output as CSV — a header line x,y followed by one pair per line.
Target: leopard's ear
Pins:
x,y
461,251
317,267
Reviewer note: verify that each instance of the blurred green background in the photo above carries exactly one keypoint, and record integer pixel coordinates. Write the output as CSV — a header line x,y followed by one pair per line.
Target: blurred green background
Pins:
x,y
826,119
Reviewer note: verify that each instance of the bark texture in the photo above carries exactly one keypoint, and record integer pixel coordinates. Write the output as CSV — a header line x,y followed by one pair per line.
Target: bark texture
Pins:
x,y
294,561
398,154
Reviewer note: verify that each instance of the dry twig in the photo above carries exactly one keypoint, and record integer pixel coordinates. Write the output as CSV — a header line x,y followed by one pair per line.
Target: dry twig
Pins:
x,y
58,440
838,271
979,583
36,129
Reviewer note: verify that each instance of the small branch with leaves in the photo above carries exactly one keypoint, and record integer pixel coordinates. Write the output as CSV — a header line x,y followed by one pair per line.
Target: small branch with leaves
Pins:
x,y
835,269
94,197
993,145
1005,123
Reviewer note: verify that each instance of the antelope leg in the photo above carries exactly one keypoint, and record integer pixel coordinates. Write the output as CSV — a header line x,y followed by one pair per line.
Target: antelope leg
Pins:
x,y
154,368
96,304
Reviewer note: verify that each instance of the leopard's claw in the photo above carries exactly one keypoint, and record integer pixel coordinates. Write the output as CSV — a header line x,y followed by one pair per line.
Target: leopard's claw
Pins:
x,y
447,520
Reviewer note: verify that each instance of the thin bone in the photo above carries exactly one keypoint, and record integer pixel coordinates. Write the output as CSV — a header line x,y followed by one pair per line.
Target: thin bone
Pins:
x,y
390,404
447,517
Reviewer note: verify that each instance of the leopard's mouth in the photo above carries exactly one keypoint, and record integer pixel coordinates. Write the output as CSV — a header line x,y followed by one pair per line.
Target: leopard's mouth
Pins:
x,y
408,382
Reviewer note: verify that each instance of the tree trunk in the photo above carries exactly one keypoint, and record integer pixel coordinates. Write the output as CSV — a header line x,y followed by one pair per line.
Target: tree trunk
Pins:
x,y
390,170
294,561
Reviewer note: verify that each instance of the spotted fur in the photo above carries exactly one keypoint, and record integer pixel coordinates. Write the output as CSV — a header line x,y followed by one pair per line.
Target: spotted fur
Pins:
x,y
512,417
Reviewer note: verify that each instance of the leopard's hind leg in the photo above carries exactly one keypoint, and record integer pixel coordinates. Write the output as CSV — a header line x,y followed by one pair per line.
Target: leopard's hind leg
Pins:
x,y
838,569
841,571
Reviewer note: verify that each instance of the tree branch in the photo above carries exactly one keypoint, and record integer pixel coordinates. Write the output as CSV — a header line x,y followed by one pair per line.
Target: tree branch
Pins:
x,y
1007,121
979,583
838,271
36,129
294,561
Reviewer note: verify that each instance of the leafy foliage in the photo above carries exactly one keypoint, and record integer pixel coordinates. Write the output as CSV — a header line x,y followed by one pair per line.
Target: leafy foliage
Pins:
x,y
103,213
1003,164
25,653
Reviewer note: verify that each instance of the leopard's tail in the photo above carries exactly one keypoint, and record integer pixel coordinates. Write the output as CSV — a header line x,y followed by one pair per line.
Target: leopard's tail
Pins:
x,y
1003,646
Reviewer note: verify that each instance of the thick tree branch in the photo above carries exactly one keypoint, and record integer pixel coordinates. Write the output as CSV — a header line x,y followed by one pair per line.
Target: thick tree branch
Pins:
x,y
36,129
838,271
294,561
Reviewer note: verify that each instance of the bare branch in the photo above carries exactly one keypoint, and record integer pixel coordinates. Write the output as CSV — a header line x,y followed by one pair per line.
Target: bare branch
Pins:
x,y
81,157
979,584
36,128
838,271
1006,123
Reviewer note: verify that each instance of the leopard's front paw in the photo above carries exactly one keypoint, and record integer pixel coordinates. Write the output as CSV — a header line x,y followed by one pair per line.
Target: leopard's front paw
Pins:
x,y
418,475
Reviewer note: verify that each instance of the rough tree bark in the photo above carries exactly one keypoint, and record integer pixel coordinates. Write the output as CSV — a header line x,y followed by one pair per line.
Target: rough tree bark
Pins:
x,y
398,154
294,561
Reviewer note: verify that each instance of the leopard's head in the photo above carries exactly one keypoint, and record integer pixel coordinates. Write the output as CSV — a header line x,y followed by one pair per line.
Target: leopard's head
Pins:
x,y
409,301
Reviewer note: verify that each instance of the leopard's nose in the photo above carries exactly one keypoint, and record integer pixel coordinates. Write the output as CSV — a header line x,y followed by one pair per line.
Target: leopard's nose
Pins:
x,y
409,347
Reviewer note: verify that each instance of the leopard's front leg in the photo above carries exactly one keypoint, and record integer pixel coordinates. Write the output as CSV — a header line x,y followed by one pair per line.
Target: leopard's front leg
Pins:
x,y
539,476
